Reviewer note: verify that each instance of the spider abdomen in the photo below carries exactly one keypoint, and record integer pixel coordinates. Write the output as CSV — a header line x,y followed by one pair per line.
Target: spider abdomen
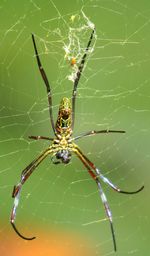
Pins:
x,y
64,119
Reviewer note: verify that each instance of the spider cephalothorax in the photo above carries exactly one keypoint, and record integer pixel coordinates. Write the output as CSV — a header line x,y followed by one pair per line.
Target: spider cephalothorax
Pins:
x,y
64,155
62,144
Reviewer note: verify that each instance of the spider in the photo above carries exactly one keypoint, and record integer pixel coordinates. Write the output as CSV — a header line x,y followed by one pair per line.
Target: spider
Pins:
x,y
63,145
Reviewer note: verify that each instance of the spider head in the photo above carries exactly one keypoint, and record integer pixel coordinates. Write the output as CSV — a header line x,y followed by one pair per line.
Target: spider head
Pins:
x,y
63,155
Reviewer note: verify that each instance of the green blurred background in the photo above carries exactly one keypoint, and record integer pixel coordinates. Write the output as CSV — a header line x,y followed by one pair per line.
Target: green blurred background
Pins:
x,y
61,201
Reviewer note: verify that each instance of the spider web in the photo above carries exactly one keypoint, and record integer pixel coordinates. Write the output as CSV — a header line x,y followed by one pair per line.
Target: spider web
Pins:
x,y
60,204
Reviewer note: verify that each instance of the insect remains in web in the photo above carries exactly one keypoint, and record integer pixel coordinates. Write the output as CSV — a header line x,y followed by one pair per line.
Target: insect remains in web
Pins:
x,y
73,61
63,144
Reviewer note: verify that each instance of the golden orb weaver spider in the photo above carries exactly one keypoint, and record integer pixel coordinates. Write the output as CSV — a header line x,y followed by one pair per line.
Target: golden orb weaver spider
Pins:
x,y
63,144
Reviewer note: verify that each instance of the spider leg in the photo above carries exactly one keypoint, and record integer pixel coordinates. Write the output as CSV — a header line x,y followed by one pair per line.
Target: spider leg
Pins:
x,y
93,132
40,138
102,195
54,161
17,189
45,79
106,180
78,75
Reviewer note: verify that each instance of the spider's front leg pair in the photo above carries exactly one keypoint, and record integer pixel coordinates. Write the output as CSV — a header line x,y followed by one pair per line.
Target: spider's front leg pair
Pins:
x,y
96,174
17,189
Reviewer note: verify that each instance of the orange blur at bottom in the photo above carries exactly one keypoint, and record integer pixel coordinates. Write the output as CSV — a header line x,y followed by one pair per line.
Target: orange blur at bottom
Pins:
x,y
56,244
